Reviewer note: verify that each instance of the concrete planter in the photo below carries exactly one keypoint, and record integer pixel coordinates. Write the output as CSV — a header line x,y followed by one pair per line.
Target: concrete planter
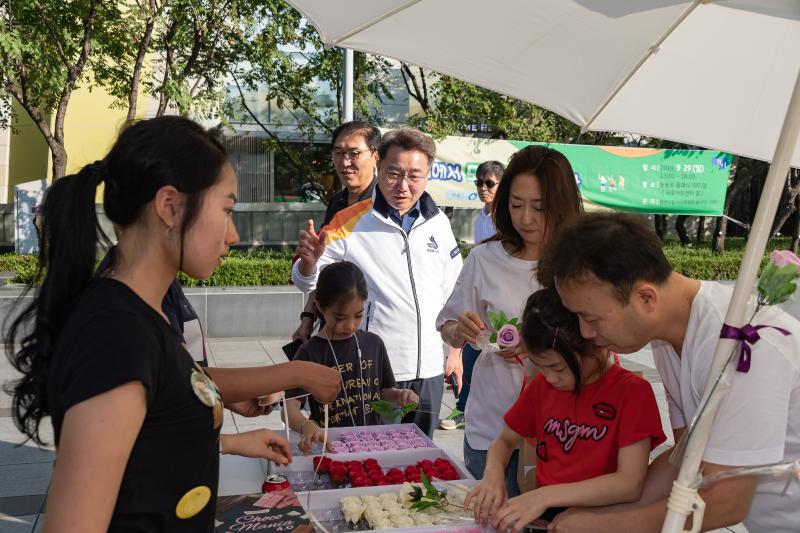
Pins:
x,y
223,311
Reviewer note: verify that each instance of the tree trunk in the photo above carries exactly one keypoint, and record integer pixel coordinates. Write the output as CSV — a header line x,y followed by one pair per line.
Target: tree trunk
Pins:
x,y
680,228
796,229
59,154
788,202
718,240
701,229
660,222
144,44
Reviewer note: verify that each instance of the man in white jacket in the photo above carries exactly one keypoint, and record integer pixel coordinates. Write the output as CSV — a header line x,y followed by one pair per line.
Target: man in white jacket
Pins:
x,y
405,246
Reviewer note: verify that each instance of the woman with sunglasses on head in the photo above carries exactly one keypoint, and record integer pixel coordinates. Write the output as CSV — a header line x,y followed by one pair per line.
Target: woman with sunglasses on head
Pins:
x,y
594,424
487,178
536,194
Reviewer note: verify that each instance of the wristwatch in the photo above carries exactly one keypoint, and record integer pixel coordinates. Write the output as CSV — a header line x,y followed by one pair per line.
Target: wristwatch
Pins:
x,y
306,314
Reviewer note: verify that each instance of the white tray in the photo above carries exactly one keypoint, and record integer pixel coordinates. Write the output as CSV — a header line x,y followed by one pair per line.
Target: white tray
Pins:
x,y
300,471
329,501
335,434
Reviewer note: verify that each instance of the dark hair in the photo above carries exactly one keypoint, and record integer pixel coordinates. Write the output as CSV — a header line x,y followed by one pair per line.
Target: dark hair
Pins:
x,y
147,155
371,134
339,280
617,248
408,139
561,200
548,325
490,168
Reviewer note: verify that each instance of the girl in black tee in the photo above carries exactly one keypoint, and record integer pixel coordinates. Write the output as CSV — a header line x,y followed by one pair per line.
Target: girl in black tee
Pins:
x,y
136,420
359,357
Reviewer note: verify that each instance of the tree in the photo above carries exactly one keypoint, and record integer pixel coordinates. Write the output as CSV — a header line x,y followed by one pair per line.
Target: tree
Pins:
x,y
190,46
45,52
449,106
285,57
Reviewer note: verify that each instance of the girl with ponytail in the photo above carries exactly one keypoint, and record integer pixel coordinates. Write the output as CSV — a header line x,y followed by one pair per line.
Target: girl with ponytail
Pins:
x,y
136,421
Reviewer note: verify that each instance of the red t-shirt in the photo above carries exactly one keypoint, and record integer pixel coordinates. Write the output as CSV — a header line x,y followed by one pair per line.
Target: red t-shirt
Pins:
x,y
578,437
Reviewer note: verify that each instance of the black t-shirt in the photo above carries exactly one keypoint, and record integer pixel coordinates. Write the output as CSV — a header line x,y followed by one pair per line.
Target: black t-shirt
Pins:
x,y
376,374
112,337
182,316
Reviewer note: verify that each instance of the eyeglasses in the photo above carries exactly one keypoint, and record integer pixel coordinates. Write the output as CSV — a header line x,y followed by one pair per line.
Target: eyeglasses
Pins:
x,y
393,177
351,155
489,183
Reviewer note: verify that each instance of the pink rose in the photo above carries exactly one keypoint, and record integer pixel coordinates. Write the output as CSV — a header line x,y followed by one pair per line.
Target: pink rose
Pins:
x,y
782,258
508,336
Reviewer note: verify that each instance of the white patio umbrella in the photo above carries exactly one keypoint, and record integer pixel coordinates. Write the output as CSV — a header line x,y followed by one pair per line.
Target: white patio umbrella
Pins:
x,y
719,74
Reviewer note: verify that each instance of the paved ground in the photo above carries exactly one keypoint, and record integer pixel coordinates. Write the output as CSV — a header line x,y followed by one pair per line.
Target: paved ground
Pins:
x,y
25,470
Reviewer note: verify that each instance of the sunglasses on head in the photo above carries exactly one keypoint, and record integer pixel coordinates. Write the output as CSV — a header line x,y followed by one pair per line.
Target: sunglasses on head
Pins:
x,y
489,183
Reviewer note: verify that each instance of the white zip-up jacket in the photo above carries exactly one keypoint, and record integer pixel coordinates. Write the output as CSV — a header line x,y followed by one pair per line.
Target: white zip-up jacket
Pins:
x,y
409,277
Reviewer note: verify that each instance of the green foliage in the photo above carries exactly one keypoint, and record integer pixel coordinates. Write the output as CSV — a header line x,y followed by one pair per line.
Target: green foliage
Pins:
x,y
245,271
776,284
392,411
285,56
268,267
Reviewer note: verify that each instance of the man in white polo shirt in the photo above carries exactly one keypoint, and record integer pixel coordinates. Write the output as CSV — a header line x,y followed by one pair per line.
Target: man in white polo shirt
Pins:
x,y
610,270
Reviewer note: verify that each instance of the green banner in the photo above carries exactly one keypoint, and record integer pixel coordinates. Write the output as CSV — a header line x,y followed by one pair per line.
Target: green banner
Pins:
x,y
685,182
644,180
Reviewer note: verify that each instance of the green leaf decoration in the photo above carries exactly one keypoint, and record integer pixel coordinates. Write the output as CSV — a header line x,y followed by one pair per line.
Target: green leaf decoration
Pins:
x,y
421,506
777,285
493,337
431,492
495,320
384,408
407,408
416,494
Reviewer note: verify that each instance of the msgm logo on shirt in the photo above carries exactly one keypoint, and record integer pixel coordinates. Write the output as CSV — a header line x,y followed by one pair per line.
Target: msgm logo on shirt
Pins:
x,y
432,245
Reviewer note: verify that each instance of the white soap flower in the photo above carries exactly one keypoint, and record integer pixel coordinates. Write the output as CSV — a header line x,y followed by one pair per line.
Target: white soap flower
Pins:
x,y
388,499
402,521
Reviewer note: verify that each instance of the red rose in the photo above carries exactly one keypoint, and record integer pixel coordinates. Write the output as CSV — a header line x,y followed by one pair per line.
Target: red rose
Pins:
x,y
424,463
415,478
394,472
338,474
370,461
411,469
384,482
448,475
321,464
337,463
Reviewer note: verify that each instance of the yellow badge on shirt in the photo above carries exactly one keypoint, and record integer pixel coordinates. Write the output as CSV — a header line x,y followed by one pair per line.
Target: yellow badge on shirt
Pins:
x,y
193,502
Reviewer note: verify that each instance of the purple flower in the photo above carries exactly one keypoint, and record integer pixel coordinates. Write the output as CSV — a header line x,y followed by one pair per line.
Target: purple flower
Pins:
x,y
508,336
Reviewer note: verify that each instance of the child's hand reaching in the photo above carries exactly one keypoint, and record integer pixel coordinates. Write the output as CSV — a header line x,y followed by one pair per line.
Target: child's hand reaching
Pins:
x,y
311,433
406,396
520,511
487,496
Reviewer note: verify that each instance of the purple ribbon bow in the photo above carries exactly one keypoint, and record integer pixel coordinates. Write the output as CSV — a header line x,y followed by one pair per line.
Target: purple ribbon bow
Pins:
x,y
748,334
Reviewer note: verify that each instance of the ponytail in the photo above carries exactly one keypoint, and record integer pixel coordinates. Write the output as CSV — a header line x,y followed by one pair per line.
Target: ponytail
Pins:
x,y
69,232
149,154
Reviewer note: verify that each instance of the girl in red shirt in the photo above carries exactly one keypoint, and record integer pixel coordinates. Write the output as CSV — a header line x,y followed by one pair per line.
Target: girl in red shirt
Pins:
x,y
593,424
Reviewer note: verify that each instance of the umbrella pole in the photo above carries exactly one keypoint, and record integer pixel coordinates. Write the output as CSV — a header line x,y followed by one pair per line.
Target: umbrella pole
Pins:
x,y
684,500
